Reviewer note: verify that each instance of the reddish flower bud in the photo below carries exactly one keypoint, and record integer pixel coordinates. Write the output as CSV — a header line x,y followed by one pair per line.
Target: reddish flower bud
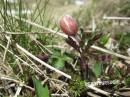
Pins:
x,y
68,25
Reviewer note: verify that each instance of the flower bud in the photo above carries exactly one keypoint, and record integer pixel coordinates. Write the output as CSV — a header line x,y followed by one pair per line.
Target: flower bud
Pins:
x,y
68,25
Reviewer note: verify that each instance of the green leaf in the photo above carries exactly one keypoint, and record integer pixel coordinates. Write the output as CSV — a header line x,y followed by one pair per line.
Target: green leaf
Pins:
x,y
126,39
97,69
127,81
117,72
39,89
123,39
104,39
58,58
59,63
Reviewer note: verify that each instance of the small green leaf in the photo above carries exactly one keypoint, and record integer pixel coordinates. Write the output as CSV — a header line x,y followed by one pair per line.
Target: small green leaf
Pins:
x,y
39,89
127,81
117,72
97,69
104,39
58,59
59,63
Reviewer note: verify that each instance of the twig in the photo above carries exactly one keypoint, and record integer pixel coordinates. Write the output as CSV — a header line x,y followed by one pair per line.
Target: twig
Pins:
x,y
99,90
124,89
92,95
116,18
44,81
2,28
39,26
42,62
18,91
10,86
93,25
23,33
59,81
110,52
19,65
6,49
20,33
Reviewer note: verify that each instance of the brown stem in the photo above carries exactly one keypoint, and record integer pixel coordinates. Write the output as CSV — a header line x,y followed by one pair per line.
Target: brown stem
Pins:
x,y
84,67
